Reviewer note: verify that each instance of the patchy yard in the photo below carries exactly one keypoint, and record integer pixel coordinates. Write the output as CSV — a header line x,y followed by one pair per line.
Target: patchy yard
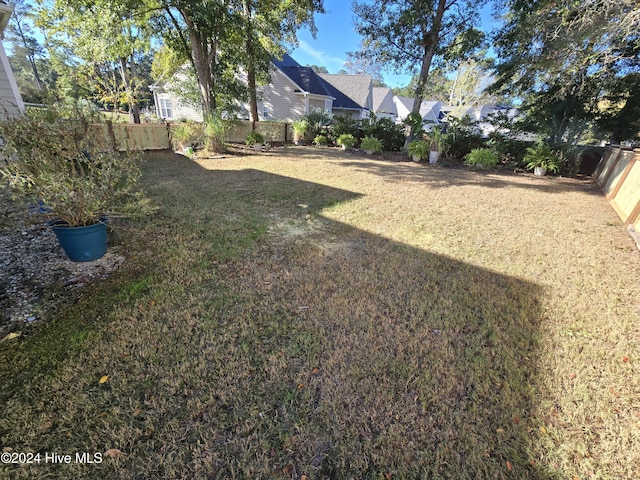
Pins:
x,y
313,314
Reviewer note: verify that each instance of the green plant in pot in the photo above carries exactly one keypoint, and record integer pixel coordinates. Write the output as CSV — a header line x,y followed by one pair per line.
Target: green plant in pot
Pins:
x,y
256,139
346,141
371,145
184,135
541,159
437,143
68,164
300,128
419,150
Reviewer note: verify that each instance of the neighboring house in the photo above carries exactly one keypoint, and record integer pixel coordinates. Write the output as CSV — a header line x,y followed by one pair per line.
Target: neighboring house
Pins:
x,y
429,109
383,105
10,100
294,91
353,94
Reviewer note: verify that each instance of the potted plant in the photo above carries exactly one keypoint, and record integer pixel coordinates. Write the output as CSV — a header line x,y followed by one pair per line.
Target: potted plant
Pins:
x,y
437,141
419,150
482,157
371,145
66,161
346,141
256,139
541,159
321,140
300,128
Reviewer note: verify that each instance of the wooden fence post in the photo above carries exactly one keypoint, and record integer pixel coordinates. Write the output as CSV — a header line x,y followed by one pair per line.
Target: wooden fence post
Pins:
x,y
112,136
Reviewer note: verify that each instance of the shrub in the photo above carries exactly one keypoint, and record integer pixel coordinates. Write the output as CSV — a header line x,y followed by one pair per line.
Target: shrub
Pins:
x,y
371,144
317,120
344,125
419,148
461,137
300,127
253,138
390,134
215,128
347,140
482,157
509,150
68,163
542,155
321,140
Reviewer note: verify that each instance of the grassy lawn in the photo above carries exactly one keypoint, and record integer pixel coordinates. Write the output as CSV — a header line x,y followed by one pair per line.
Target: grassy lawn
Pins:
x,y
313,314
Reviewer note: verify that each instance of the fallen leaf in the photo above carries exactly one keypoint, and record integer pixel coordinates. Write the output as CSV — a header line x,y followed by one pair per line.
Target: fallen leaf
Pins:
x,y
576,478
103,379
509,466
315,371
499,430
387,476
625,359
543,430
516,419
300,386
572,376
287,470
112,453
303,477
11,336
7,449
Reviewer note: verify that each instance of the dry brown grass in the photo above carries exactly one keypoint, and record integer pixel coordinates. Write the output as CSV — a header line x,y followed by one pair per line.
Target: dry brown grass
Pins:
x,y
312,313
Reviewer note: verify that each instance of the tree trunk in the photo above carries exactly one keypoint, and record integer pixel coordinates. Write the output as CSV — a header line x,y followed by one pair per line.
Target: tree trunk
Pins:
x,y
431,39
251,69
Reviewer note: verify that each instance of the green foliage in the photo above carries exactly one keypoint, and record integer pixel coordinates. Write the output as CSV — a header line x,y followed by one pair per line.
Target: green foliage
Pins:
x,y
253,138
346,140
371,144
215,128
68,163
300,126
419,148
461,137
482,157
542,155
508,149
185,134
343,124
390,134
317,120
321,140
414,120
437,139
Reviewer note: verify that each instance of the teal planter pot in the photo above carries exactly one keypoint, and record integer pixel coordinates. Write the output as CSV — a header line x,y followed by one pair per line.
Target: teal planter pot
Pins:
x,y
82,244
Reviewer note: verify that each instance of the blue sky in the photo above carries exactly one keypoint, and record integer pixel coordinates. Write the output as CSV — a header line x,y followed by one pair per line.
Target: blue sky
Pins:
x,y
336,36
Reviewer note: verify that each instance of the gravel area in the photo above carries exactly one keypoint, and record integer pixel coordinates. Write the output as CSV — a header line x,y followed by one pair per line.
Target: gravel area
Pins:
x,y
36,275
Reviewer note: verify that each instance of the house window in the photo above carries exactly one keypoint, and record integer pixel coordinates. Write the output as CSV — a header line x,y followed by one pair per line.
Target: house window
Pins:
x,y
327,106
266,112
165,108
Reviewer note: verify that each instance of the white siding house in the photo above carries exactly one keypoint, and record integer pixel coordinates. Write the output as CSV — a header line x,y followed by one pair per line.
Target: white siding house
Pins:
x,y
10,100
429,110
383,104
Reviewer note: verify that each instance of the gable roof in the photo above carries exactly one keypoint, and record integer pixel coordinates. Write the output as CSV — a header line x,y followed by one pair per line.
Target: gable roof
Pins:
x,y
383,100
304,77
429,109
352,92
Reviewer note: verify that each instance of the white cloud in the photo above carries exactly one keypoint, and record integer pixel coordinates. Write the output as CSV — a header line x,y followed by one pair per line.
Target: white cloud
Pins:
x,y
322,58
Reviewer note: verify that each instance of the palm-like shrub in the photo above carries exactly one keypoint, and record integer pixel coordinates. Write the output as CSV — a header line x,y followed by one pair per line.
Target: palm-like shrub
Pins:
x,y
371,144
419,149
542,155
482,157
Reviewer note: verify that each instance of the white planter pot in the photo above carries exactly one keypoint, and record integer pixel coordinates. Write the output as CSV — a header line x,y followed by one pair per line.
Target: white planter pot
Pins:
x,y
369,152
433,157
416,158
257,147
344,148
540,171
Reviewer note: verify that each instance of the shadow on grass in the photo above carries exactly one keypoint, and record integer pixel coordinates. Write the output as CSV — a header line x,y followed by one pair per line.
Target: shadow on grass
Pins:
x,y
294,345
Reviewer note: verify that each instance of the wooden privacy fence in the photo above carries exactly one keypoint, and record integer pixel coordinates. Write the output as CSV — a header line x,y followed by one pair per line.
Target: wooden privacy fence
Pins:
x,y
158,136
618,174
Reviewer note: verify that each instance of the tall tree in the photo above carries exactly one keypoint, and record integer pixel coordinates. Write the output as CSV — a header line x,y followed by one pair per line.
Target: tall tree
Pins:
x,y
409,33
570,53
363,62
101,35
20,33
269,27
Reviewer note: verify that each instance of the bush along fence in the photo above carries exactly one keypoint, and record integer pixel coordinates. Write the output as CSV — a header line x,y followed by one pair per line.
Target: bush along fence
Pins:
x,y
618,174
158,136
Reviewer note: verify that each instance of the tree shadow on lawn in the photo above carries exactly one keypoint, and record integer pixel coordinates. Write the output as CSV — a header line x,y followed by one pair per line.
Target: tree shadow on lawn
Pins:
x,y
318,349
443,175
397,360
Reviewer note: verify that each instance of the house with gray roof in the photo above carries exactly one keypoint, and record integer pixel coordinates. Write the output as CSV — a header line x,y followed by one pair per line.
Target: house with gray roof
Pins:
x,y
10,100
352,93
294,91
383,105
